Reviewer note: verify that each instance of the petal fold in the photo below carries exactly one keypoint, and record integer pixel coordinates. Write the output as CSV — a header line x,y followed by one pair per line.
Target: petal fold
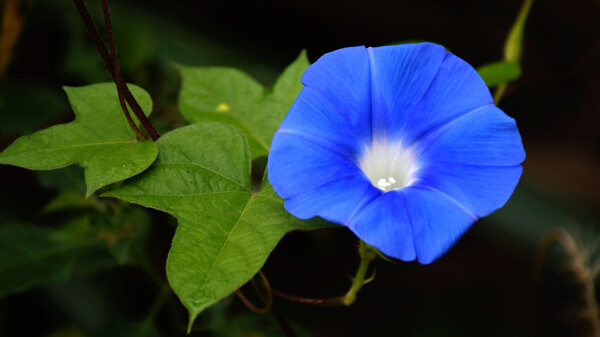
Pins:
x,y
456,89
314,115
480,189
437,222
343,77
297,164
384,223
400,77
485,136
337,201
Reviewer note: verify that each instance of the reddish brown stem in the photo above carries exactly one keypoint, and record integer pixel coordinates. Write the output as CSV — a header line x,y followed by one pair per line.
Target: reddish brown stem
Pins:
x,y
263,289
324,302
116,73
108,62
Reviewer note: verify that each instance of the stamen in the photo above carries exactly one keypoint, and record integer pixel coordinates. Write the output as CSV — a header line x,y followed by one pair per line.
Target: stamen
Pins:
x,y
392,162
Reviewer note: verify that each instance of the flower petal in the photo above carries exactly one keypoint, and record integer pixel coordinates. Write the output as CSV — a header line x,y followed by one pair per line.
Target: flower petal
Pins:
x,y
337,201
437,222
485,136
400,77
456,89
314,115
297,164
384,223
343,77
480,189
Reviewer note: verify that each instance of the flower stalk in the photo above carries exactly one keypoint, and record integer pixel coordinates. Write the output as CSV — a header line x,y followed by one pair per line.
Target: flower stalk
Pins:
x,y
367,254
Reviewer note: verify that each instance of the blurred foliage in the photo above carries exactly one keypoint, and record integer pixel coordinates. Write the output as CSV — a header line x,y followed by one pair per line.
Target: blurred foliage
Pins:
x,y
499,73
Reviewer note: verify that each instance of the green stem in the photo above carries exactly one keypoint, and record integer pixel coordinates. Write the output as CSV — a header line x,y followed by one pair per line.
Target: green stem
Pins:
x,y
513,47
367,254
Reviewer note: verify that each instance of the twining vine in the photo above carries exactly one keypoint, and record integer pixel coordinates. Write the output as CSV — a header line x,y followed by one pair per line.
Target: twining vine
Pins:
x,y
112,65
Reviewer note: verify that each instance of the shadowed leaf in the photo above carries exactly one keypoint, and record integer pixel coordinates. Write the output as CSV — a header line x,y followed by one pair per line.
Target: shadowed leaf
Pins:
x,y
230,96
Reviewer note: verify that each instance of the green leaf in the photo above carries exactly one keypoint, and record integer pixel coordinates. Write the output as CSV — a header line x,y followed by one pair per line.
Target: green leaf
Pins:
x,y
99,139
226,230
230,96
499,72
31,255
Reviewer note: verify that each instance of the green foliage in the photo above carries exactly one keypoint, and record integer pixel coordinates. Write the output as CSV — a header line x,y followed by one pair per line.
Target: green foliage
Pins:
x,y
230,96
99,139
226,230
500,72
31,255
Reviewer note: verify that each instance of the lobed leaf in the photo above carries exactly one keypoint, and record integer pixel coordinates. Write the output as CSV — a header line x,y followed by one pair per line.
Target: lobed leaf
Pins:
x,y
226,230
99,139
230,96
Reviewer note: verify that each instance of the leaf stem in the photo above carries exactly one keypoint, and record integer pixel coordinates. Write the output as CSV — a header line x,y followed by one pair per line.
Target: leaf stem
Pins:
x,y
108,62
264,291
320,302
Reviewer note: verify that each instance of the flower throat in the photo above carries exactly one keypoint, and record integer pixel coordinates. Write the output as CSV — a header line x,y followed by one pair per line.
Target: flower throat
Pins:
x,y
388,166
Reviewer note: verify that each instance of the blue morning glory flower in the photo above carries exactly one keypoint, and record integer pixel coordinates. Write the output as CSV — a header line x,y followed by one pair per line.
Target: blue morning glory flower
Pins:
x,y
401,144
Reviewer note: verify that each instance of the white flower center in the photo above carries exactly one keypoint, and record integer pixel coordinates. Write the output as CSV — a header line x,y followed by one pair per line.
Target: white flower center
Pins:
x,y
388,166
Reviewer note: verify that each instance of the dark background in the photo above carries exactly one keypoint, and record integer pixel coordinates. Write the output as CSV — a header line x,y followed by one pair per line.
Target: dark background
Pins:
x,y
485,286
